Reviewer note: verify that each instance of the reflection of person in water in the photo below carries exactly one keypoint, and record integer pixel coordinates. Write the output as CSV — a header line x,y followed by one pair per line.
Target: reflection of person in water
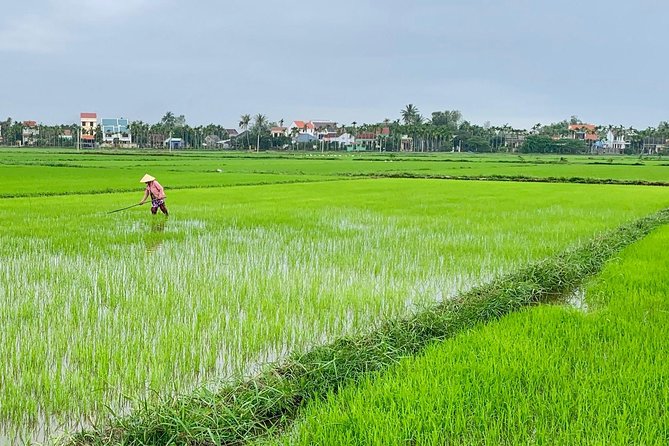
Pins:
x,y
155,238
158,226
156,192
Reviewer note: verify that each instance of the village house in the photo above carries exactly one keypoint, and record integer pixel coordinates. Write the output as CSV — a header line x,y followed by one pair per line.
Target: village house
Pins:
x,y
66,136
88,127
372,139
615,142
406,143
30,133
321,129
513,141
297,127
116,132
584,132
278,131
654,145
343,140
173,143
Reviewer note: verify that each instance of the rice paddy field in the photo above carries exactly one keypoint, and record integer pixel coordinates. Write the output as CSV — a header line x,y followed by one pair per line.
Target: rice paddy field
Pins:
x,y
265,255
592,373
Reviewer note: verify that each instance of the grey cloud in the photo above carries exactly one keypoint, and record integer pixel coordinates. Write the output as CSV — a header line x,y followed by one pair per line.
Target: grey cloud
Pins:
x,y
517,61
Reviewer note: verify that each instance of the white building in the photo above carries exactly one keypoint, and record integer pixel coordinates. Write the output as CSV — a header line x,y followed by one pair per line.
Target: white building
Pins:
x,y
318,128
345,139
615,142
116,132
300,127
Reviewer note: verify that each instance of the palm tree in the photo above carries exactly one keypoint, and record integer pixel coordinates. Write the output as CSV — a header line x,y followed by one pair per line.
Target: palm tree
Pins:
x,y
244,122
410,114
293,133
169,119
260,125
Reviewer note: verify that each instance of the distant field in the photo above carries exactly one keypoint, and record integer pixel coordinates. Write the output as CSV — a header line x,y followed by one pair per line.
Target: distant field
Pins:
x,y
38,172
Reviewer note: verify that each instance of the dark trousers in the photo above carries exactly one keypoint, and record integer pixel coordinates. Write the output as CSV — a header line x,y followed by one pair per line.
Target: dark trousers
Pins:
x,y
162,207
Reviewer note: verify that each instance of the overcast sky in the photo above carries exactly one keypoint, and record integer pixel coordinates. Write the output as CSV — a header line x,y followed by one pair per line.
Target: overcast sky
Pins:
x,y
517,61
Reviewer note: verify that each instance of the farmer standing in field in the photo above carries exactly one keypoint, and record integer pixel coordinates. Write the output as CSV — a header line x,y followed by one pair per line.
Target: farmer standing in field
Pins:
x,y
155,190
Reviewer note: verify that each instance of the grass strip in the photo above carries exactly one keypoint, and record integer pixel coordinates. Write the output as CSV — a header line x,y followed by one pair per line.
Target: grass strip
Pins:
x,y
120,190
515,178
269,402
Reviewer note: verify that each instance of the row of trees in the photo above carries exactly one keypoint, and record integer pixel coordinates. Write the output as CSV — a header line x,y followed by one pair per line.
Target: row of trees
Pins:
x,y
12,133
443,131
447,130
255,133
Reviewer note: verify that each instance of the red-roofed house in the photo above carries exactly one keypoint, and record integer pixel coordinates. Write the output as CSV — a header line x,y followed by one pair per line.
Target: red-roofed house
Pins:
x,y
89,125
301,127
29,133
322,129
376,138
586,132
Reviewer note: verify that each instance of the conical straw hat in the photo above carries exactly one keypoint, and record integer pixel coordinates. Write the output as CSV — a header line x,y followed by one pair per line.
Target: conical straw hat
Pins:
x,y
146,178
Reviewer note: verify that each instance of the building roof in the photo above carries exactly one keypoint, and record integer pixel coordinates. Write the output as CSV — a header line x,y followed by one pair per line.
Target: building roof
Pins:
x,y
365,135
278,129
88,137
589,130
88,115
30,123
302,124
114,121
305,137
322,123
576,127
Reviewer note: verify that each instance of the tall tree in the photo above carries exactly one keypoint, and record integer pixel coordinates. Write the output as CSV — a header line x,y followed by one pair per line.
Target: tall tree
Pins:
x,y
448,118
244,122
260,125
410,114
169,120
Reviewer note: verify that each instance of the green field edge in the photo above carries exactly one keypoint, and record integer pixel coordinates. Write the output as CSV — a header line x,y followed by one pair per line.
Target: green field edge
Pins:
x,y
270,402
350,176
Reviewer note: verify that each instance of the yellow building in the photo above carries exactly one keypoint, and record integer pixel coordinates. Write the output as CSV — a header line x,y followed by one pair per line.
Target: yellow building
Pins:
x,y
89,125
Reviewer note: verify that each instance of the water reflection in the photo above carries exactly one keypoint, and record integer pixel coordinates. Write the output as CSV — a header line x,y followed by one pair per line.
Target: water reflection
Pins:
x,y
156,236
